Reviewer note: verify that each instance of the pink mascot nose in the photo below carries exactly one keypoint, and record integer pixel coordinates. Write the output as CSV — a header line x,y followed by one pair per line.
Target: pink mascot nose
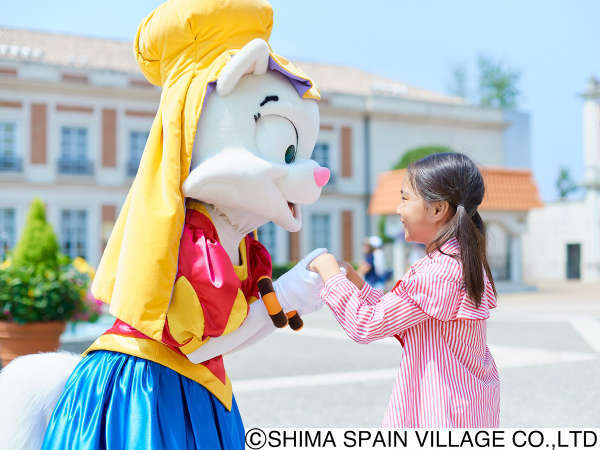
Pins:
x,y
322,175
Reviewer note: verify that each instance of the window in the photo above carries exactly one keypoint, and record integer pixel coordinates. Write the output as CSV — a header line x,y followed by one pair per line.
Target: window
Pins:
x,y
320,154
7,231
73,232
137,142
267,237
9,161
74,151
320,230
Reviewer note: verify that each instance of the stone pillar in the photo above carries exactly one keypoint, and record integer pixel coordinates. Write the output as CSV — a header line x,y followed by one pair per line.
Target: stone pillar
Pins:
x,y
591,142
591,269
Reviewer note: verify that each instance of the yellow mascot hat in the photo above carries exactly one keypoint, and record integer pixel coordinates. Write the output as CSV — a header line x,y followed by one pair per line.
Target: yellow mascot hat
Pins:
x,y
182,46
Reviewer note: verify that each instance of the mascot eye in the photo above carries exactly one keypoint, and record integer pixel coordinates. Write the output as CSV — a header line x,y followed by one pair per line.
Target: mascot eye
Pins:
x,y
276,139
290,154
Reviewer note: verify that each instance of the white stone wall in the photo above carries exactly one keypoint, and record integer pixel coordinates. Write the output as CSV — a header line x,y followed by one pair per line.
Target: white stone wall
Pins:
x,y
497,251
549,231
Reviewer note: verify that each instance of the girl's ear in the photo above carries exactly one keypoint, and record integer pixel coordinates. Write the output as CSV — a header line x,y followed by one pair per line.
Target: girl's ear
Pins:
x,y
441,211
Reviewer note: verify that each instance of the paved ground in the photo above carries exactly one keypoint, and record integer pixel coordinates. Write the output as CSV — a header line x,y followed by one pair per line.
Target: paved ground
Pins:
x,y
546,344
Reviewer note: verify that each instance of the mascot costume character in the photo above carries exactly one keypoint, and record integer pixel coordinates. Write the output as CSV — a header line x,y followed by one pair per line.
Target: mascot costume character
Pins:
x,y
183,272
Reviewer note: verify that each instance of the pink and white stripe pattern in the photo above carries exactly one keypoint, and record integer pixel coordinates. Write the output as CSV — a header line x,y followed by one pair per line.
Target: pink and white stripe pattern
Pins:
x,y
447,377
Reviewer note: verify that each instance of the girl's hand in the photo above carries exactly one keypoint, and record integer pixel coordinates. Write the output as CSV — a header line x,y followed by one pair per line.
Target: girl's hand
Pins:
x,y
352,275
325,265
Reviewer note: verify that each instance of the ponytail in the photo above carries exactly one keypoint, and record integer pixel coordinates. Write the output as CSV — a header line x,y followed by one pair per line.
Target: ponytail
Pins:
x,y
470,234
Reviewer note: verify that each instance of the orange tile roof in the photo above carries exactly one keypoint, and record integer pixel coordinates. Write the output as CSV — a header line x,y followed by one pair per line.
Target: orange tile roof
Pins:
x,y
505,190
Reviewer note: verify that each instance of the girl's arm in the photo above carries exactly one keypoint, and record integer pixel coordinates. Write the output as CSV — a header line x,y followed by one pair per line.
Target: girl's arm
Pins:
x,y
365,321
370,294
365,291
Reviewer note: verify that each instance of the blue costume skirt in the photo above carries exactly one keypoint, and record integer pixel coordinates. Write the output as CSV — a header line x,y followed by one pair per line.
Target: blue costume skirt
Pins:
x,y
117,401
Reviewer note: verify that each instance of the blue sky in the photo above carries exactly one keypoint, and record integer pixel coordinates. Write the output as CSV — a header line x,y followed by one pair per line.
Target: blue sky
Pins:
x,y
553,43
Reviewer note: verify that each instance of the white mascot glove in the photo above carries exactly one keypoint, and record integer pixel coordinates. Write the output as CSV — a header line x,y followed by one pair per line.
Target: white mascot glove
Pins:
x,y
299,289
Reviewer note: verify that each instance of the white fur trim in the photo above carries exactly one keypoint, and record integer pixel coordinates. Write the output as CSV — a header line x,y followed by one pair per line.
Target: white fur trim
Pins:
x,y
29,389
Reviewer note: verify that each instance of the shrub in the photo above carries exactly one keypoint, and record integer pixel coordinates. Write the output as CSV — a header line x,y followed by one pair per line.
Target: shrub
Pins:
x,y
38,246
28,295
40,284
280,269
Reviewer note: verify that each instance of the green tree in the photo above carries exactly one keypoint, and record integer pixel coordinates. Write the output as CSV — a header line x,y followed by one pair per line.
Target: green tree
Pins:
x,y
407,158
564,183
38,246
417,153
497,84
458,81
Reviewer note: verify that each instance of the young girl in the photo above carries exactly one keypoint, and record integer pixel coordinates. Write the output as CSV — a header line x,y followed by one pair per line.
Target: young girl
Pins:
x,y
438,310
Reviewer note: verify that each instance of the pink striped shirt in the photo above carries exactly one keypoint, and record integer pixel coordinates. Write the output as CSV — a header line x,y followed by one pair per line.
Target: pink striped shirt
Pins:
x,y
447,377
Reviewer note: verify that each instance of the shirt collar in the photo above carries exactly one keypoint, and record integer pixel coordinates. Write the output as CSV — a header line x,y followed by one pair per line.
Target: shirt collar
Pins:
x,y
451,246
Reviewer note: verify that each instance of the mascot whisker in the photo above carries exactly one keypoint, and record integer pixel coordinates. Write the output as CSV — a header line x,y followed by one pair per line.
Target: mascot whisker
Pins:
x,y
183,272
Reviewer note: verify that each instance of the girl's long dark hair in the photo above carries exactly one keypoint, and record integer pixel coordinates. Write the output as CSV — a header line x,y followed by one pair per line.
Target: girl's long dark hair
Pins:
x,y
454,178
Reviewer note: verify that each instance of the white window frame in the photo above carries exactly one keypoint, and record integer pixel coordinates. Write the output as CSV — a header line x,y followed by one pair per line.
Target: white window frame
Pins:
x,y
62,119
129,124
271,229
330,239
18,117
330,138
15,151
74,132
15,226
86,234
322,144
129,148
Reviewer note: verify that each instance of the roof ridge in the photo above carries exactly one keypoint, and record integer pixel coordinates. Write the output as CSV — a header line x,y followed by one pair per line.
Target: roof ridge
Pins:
x,y
65,34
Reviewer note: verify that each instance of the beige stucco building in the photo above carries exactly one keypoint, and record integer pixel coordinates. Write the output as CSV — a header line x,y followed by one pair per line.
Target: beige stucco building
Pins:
x,y
75,113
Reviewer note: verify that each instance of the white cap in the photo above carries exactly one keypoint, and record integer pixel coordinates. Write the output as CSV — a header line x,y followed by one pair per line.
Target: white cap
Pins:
x,y
375,241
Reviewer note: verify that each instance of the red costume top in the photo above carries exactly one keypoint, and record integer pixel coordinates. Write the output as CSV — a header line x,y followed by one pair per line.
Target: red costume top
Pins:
x,y
210,299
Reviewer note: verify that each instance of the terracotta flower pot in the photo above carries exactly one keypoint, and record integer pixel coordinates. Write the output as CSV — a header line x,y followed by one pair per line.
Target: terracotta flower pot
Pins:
x,y
17,340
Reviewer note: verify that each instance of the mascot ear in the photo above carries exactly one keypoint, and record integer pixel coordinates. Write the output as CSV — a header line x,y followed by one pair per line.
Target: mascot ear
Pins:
x,y
252,58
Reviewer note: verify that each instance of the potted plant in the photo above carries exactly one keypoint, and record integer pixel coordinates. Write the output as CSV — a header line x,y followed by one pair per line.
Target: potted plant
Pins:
x,y
40,290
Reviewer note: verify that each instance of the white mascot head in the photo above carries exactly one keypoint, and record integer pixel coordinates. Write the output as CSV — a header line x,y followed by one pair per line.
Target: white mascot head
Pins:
x,y
253,145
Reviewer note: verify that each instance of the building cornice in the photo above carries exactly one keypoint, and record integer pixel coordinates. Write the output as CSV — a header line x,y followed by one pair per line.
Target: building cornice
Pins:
x,y
412,111
37,77
77,89
59,186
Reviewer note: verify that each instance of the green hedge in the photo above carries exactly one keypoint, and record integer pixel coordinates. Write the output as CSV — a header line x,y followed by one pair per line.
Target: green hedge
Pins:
x,y
28,295
40,284
280,269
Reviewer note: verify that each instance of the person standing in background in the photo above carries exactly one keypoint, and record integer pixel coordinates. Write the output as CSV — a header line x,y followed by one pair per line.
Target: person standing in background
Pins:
x,y
372,268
